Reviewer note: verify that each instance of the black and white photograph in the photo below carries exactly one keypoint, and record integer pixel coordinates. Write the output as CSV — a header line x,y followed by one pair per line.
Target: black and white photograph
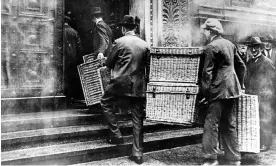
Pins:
x,y
138,82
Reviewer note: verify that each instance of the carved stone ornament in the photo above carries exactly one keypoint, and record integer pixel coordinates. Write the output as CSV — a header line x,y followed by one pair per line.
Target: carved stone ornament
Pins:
x,y
176,29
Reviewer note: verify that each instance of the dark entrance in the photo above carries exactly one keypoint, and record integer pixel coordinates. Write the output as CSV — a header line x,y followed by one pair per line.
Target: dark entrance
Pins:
x,y
81,21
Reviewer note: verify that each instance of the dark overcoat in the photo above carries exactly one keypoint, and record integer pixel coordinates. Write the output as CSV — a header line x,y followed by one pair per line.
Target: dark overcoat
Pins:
x,y
129,63
259,76
223,70
102,38
72,58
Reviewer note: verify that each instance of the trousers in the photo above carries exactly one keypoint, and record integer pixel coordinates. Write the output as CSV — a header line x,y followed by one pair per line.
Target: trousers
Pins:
x,y
136,105
221,119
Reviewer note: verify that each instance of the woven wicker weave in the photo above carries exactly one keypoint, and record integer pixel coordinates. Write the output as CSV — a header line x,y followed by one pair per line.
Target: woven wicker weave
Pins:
x,y
248,124
88,58
175,64
171,102
94,80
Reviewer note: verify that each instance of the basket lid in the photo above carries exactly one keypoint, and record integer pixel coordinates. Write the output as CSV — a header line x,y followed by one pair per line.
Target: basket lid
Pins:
x,y
169,87
177,50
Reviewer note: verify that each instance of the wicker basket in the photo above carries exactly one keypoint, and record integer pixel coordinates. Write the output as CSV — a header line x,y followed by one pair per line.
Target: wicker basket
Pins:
x,y
175,64
171,102
248,124
88,58
94,80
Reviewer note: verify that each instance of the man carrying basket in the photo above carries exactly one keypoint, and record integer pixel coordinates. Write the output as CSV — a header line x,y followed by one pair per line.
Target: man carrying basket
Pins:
x,y
222,78
129,63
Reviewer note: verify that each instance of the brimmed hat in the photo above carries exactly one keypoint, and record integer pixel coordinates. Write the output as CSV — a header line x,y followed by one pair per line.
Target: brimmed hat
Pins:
x,y
128,20
97,11
268,38
256,41
246,40
213,24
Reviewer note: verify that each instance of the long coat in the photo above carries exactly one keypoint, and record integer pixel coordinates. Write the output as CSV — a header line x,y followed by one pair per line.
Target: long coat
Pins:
x,y
223,70
129,64
102,38
73,57
259,77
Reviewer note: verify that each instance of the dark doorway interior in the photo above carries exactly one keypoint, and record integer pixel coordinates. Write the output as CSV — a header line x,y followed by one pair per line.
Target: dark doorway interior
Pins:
x,y
82,21
80,14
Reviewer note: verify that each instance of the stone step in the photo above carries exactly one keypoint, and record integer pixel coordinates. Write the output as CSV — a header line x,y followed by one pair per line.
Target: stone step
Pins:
x,y
80,152
41,120
34,138
182,155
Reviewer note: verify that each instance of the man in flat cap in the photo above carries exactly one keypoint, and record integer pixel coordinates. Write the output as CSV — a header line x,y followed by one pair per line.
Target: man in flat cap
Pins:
x,y
102,35
222,79
129,63
259,81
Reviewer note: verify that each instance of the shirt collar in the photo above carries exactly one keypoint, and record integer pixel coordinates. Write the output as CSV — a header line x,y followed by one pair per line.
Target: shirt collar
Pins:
x,y
256,58
268,52
98,20
130,33
212,38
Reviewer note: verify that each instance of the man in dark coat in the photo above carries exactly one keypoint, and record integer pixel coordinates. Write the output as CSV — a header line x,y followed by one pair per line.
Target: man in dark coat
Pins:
x,y
73,57
222,77
258,81
102,35
270,52
129,64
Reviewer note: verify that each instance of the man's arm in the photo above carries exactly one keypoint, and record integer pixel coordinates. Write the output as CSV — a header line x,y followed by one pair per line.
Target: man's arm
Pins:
x,y
240,67
147,63
111,59
207,72
103,39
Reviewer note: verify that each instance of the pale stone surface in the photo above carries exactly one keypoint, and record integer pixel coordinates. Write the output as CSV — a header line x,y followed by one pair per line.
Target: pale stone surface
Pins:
x,y
90,145
187,155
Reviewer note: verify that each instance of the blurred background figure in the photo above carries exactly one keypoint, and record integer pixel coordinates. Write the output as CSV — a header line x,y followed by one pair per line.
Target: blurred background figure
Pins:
x,y
72,58
259,81
269,43
102,35
270,52
137,21
243,49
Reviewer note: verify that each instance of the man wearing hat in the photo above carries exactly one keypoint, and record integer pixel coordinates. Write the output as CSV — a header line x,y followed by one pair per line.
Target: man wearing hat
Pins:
x,y
268,41
129,63
102,35
242,46
270,52
73,57
258,81
222,79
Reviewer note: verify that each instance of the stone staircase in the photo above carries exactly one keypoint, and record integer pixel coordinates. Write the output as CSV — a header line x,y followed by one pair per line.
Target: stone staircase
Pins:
x,y
74,136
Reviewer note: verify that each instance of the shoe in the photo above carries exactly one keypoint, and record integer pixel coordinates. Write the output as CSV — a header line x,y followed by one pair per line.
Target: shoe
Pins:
x,y
210,162
114,140
264,148
136,159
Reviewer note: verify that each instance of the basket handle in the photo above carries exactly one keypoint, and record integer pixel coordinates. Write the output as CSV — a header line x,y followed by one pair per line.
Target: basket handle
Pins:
x,y
188,94
153,92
